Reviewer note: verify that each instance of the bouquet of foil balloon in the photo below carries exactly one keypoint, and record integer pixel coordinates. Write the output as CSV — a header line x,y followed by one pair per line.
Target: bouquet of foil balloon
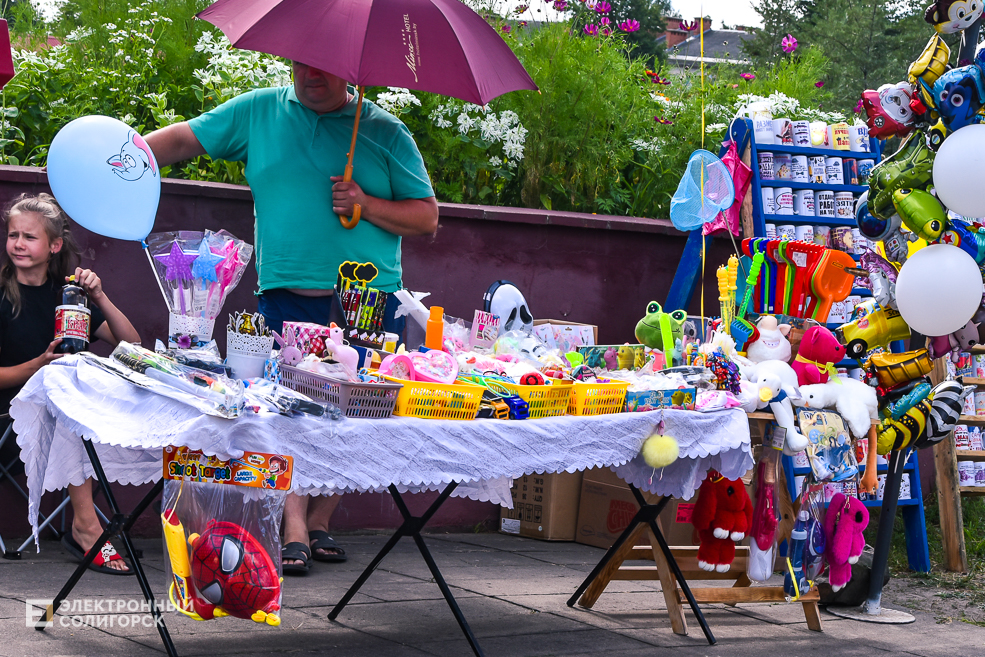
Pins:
x,y
196,271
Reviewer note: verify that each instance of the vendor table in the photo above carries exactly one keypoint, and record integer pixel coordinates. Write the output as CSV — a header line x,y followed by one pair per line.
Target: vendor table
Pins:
x,y
76,420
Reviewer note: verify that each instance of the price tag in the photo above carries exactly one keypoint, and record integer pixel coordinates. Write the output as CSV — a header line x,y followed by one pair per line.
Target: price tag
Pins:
x,y
779,437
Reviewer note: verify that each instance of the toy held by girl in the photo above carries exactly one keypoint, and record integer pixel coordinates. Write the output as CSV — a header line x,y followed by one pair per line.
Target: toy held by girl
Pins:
x,y
41,254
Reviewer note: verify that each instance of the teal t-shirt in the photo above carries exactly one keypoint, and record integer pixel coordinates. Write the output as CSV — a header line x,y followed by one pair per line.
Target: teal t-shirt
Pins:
x,y
290,152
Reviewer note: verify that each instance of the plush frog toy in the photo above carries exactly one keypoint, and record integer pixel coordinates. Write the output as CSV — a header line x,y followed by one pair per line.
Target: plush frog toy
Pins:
x,y
657,324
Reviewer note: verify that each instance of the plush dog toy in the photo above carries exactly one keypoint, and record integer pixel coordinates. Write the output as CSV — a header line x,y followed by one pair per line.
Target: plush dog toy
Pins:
x,y
854,401
819,351
722,516
844,523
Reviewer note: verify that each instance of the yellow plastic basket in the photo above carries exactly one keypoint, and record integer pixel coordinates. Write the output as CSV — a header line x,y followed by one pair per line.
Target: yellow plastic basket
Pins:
x,y
544,401
597,398
437,401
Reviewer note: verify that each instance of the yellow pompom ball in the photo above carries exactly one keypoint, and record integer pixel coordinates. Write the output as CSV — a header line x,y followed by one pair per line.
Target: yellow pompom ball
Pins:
x,y
659,451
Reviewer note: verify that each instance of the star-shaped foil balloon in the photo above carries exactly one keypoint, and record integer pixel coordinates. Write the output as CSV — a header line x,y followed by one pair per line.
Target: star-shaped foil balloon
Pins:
x,y
204,266
177,264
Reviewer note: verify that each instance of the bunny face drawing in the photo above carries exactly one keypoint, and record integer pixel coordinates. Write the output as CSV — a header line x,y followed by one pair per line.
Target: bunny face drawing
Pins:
x,y
133,160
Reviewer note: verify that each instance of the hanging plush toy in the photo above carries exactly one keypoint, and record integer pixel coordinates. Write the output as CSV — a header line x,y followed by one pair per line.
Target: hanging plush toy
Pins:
x,y
819,351
887,109
855,401
950,16
722,516
660,450
232,570
772,343
657,326
844,523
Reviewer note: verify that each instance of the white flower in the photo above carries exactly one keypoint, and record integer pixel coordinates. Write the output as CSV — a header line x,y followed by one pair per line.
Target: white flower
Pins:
x,y
648,146
495,161
396,99
715,127
465,123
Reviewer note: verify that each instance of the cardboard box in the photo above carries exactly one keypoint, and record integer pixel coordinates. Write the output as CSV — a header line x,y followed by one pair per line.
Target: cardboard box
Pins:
x,y
561,322
544,506
607,507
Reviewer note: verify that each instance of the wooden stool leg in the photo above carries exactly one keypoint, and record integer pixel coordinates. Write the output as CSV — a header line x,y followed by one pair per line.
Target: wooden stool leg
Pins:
x,y
813,615
595,589
668,586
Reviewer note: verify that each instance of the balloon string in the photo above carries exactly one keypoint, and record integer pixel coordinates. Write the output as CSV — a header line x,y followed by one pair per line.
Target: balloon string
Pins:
x,y
156,277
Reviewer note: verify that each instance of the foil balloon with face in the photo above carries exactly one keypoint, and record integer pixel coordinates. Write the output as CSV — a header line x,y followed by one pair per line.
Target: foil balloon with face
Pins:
x,y
959,95
921,212
950,16
888,112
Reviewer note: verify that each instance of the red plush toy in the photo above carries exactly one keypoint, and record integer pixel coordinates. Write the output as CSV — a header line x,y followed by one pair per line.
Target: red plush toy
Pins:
x,y
722,516
819,351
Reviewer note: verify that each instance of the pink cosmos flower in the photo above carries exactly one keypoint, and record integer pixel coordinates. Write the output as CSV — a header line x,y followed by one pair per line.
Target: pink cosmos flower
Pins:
x,y
788,43
858,106
748,76
560,5
605,31
819,84
687,26
591,29
506,29
603,7
629,25
604,20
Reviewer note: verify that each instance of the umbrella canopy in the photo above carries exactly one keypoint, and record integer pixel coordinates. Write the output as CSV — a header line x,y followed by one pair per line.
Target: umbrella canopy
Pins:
x,y
440,46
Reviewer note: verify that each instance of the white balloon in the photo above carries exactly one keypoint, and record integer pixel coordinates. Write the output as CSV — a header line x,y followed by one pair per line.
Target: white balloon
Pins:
x,y
959,169
938,289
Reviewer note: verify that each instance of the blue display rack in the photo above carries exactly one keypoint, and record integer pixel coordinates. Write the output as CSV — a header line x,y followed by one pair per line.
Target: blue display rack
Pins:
x,y
686,280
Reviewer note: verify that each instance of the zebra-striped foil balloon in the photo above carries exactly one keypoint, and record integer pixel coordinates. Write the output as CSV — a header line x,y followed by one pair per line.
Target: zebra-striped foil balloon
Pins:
x,y
946,402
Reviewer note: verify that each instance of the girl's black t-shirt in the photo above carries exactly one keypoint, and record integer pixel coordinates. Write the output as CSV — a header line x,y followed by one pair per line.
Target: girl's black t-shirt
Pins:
x,y
28,335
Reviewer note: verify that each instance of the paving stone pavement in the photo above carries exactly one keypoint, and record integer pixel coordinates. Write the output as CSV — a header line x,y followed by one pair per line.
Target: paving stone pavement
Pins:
x,y
511,590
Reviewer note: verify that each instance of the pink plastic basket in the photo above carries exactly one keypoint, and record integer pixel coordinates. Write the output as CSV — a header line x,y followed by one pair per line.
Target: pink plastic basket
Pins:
x,y
357,400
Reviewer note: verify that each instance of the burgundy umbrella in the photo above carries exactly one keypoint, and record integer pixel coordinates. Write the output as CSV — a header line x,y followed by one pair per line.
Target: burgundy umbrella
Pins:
x,y
440,46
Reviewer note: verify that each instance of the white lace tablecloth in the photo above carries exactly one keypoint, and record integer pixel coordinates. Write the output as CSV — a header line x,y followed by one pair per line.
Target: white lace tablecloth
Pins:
x,y
130,425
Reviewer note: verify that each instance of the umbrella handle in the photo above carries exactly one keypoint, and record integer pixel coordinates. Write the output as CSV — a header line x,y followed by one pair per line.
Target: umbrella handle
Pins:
x,y
347,177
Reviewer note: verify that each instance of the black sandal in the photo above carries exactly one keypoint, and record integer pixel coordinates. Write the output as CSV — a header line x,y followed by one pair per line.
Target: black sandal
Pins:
x,y
325,542
295,552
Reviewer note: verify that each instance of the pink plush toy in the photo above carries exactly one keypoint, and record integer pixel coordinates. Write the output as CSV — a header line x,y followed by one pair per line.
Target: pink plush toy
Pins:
x,y
819,351
844,523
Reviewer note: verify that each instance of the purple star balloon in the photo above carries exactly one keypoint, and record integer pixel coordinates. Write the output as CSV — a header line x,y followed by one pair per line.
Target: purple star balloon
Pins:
x,y
177,264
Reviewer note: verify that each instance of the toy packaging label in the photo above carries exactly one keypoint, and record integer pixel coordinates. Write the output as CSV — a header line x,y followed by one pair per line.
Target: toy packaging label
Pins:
x,y
569,338
253,470
595,356
652,400
485,329
685,511
830,450
305,332
546,333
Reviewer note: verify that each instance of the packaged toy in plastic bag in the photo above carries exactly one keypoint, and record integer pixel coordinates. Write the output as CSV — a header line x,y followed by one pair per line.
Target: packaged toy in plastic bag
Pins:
x,y
222,533
830,450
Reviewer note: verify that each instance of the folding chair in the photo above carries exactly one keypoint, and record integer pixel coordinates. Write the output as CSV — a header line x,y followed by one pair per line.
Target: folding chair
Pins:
x,y
5,469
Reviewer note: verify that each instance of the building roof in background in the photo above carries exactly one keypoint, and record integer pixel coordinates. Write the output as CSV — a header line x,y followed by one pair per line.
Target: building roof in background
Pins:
x,y
720,47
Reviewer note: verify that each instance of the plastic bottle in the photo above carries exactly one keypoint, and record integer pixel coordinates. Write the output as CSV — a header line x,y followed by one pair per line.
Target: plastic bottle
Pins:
x,y
72,319
435,328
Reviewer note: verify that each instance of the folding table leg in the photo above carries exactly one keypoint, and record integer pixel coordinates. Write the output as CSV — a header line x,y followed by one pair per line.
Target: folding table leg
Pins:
x,y
672,562
412,527
119,524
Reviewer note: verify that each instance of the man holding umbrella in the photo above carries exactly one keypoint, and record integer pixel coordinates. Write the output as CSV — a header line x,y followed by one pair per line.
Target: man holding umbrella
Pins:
x,y
294,142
